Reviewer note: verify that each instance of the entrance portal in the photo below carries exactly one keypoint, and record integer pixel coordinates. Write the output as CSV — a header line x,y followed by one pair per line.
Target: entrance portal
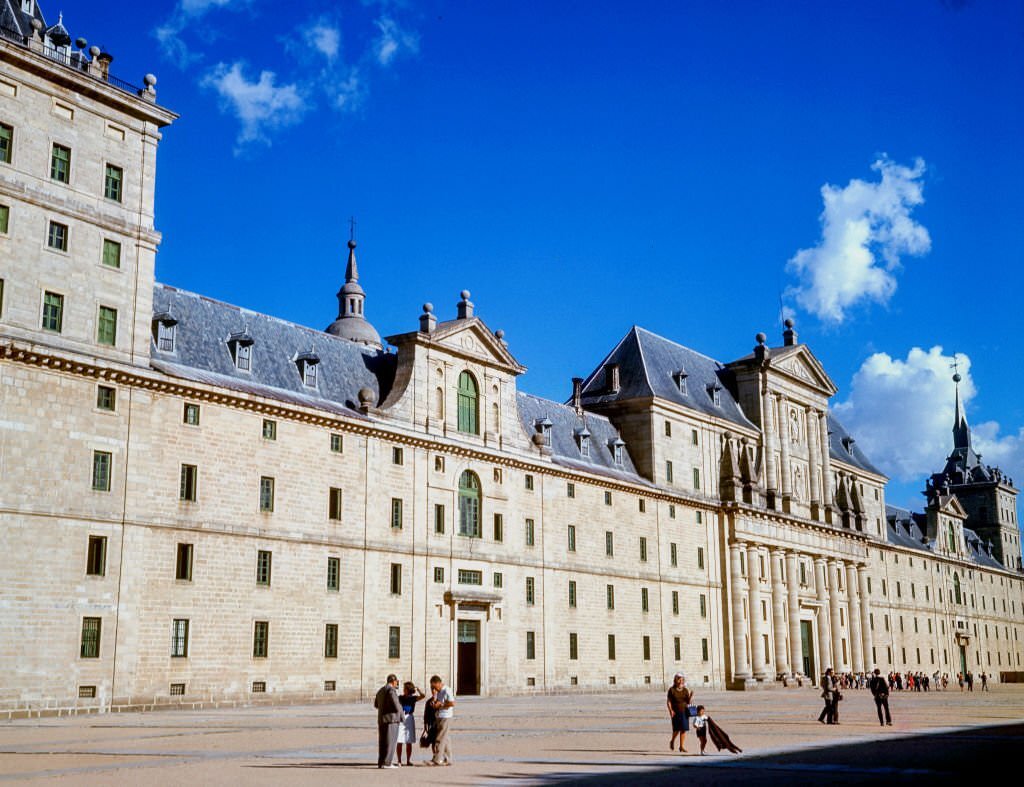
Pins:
x,y
807,642
468,655
963,660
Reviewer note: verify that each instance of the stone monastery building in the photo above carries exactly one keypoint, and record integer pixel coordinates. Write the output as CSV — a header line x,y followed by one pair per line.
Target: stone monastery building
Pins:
x,y
202,504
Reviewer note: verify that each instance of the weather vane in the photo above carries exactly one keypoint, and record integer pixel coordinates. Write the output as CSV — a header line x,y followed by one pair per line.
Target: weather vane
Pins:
x,y
955,366
352,228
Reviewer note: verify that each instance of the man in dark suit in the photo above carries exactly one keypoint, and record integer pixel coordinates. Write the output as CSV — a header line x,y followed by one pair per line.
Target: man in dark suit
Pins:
x,y
828,693
389,716
880,691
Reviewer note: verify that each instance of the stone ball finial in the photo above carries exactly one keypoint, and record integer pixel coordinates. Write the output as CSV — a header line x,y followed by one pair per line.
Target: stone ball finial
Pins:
x,y
464,295
428,308
366,396
538,439
957,378
81,43
37,24
149,80
761,338
789,322
95,50
500,333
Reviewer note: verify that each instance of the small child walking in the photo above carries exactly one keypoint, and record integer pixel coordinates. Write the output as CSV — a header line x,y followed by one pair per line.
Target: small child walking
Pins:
x,y
700,726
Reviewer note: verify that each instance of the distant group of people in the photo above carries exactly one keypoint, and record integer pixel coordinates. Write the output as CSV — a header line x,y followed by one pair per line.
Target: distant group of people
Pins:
x,y
396,722
911,681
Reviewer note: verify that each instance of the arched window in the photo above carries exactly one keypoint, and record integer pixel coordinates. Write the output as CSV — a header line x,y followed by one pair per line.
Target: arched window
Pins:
x,y
952,538
469,504
469,405
956,588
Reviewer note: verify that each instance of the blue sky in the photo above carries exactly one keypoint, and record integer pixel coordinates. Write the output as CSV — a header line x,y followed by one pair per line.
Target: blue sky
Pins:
x,y
581,167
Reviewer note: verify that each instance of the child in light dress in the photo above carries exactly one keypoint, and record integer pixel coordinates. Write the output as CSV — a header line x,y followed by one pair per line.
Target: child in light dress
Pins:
x,y
700,725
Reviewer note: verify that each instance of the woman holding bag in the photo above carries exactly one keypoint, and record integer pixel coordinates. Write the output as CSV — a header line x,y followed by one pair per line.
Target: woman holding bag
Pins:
x,y
678,704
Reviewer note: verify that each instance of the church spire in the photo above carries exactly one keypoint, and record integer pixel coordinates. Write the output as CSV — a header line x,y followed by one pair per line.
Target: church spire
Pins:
x,y
961,430
351,271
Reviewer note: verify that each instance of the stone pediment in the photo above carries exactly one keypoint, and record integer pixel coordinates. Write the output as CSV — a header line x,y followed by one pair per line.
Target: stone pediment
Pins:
x,y
799,364
951,506
468,338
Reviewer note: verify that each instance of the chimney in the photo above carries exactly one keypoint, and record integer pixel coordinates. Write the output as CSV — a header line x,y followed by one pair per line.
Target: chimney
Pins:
x,y
611,372
789,335
427,320
465,306
577,393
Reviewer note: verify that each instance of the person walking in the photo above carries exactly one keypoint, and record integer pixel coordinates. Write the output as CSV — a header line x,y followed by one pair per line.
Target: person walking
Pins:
x,y
970,681
880,691
678,704
389,716
443,702
700,726
407,729
984,681
828,694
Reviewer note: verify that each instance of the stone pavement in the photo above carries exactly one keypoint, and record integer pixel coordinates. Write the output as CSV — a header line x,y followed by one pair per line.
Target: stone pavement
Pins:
x,y
608,738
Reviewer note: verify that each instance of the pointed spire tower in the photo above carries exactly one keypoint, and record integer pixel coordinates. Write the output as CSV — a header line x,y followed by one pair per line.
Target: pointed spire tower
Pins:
x,y
961,430
351,324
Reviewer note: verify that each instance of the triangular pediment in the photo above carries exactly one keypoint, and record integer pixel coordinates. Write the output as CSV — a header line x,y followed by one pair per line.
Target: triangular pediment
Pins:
x,y
470,338
951,506
799,363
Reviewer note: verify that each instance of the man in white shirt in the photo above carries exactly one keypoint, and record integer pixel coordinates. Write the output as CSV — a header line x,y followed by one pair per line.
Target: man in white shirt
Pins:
x,y
443,702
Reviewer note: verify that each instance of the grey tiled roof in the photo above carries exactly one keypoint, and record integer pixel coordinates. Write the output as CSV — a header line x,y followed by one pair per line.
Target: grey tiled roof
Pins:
x,y
201,353
564,448
841,449
647,365
906,528
13,18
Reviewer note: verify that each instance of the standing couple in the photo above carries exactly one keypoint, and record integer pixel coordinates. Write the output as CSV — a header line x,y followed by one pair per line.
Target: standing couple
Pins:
x,y
396,722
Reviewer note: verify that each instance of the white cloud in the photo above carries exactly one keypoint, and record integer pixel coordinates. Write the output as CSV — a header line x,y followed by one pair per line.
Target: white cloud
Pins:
x,y
393,41
901,412
325,38
185,13
347,92
865,229
261,106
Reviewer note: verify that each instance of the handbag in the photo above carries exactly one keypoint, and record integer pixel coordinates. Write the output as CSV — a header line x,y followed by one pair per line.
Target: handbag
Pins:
x,y
691,710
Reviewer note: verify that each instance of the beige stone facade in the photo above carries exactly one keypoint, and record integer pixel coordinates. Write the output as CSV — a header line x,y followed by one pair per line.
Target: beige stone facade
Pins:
x,y
177,534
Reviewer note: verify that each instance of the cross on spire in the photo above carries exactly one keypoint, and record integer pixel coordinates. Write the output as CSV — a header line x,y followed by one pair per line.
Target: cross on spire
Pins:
x,y
955,366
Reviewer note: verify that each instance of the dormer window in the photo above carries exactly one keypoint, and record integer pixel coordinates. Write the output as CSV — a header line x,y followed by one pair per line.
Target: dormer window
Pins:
x,y
616,445
543,427
28,6
164,328
680,380
611,377
848,444
715,392
241,350
583,439
308,363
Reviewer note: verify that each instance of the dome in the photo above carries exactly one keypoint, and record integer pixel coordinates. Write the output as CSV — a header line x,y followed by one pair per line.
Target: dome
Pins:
x,y
355,329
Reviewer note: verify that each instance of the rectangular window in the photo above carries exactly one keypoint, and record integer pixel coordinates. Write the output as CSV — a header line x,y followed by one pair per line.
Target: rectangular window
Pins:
x,y
337,443
101,462
572,594
333,573
699,517
607,498
266,494
572,538
574,646
700,557
56,236
177,689
668,428
643,549
675,602
53,312
570,489
609,596
269,429
260,640
394,642
96,557
678,646
438,518
190,415
6,143
668,472
528,482
334,504
703,605
396,579
112,254
529,533
5,219
499,580
106,326
499,527
189,485
165,336
694,440
179,638
397,456
106,398
113,181
609,543
673,554
264,561
704,649
530,596
91,638
645,602
671,511
611,647
696,478
60,163
642,505
469,577
439,574
183,562
396,513
259,686
330,640
647,648
531,646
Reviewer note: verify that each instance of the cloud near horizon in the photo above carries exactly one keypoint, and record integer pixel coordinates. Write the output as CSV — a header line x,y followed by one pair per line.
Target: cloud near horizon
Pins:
x,y
866,228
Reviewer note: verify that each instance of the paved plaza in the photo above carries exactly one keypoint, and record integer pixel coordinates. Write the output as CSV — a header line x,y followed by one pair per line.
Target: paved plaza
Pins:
x,y
608,738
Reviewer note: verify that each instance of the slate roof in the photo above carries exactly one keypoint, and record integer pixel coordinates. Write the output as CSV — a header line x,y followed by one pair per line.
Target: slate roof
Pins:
x,y
202,354
16,20
843,448
647,363
564,448
907,528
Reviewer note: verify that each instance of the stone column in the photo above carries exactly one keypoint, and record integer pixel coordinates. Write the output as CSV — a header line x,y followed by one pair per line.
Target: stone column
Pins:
x,y
834,567
785,471
856,633
813,453
741,664
826,467
779,613
768,428
796,653
757,629
824,627
865,616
